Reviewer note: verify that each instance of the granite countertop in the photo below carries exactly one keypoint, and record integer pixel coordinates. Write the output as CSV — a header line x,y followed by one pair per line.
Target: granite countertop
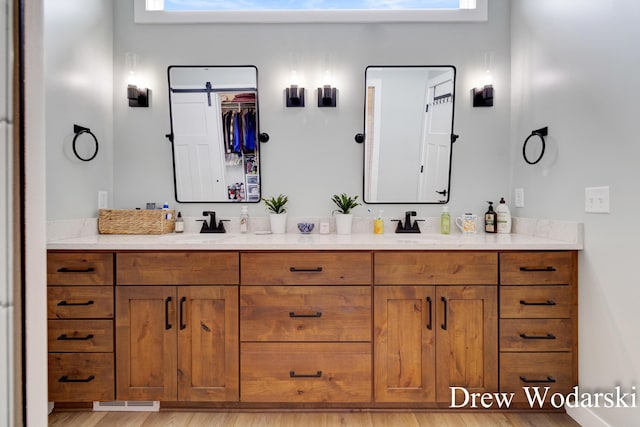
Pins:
x,y
529,234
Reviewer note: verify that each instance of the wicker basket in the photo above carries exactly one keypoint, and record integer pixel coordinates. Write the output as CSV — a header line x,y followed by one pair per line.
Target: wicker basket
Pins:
x,y
128,221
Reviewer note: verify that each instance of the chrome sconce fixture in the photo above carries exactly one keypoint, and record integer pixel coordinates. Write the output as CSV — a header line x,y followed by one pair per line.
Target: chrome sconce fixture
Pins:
x,y
483,96
327,96
137,95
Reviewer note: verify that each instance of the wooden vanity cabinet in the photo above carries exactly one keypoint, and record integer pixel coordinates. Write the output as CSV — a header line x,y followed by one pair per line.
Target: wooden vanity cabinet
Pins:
x,y
538,322
177,342
305,327
431,331
80,326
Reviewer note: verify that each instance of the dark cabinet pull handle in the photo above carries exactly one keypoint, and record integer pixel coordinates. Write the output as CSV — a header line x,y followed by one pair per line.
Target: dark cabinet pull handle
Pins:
x,y
182,301
73,304
305,270
167,325
547,302
530,269
538,337
430,324
65,379
549,379
72,270
65,337
444,301
292,374
316,314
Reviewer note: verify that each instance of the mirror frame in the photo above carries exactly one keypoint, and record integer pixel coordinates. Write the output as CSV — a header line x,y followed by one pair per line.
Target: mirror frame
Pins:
x,y
361,138
259,137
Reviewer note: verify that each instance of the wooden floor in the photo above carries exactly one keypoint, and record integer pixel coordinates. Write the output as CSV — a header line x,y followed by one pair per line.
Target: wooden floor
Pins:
x,y
308,419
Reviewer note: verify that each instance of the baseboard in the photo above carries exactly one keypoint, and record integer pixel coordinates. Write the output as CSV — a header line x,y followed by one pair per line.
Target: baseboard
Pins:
x,y
585,417
127,406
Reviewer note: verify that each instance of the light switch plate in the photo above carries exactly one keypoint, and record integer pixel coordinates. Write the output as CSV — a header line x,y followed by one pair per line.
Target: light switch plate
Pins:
x,y
596,199
519,197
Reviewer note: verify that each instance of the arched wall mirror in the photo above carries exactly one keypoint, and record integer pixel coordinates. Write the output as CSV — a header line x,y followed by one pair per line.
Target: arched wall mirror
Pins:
x,y
215,133
408,133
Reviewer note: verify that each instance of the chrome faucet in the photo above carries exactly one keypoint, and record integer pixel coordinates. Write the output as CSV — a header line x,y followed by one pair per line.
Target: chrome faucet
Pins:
x,y
408,227
212,227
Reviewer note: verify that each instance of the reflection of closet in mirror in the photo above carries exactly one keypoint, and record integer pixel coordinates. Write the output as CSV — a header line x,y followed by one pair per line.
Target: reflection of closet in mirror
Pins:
x,y
214,120
408,132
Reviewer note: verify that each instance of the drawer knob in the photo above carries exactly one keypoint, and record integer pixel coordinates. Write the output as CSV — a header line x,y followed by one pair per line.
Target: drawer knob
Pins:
x,y
538,337
316,314
547,302
549,379
73,304
73,270
65,337
305,270
530,269
292,374
66,379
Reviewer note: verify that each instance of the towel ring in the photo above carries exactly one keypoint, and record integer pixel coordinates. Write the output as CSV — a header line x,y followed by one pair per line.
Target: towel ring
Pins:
x,y
541,133
79,130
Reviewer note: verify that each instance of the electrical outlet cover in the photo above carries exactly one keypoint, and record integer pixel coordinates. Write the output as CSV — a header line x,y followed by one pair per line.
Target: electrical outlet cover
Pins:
x,y
519,197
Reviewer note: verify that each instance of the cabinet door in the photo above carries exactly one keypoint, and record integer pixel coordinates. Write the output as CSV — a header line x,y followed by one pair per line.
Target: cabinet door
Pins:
x,y
467,339
208,343
404,348
146,344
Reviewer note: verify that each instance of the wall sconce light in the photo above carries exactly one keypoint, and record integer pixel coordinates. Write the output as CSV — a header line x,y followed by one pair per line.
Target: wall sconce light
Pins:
x,y
295,96
327,96
137,96
294,93
483,96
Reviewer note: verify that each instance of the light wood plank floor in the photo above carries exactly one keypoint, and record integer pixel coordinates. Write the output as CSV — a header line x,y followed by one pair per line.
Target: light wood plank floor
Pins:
x,y
307,419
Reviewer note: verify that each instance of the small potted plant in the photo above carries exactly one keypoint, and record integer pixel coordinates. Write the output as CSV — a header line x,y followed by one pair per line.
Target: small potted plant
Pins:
x,y
277,213
344,218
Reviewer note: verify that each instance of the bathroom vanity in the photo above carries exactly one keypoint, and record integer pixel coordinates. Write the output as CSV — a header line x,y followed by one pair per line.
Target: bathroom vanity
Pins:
x,y
313,321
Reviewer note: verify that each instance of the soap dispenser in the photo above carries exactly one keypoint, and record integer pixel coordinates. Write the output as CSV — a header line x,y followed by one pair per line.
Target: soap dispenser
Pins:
x,y
244,219
504,217
179,227
490,219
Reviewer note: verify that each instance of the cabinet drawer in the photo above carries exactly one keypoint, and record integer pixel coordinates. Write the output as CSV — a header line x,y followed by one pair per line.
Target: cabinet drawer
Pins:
x,y
535,302
305,372
442,268
306,268
177,268
305,313
80,302
536,335
77,268
521,370
536,268
81,377
86,336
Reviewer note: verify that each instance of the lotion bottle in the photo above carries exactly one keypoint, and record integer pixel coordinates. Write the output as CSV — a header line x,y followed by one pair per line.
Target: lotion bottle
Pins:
x,y
445,221
244,219
504,217
490,219
179,227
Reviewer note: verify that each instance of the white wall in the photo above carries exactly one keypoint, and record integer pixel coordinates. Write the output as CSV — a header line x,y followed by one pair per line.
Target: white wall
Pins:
x,y
574,69
311,154
78,46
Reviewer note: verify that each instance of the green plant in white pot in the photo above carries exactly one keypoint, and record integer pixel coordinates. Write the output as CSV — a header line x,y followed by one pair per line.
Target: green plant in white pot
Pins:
x,y
277,213
343,216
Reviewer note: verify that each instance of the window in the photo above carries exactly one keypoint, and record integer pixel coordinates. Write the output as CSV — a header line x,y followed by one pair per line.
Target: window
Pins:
x,y
282,11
